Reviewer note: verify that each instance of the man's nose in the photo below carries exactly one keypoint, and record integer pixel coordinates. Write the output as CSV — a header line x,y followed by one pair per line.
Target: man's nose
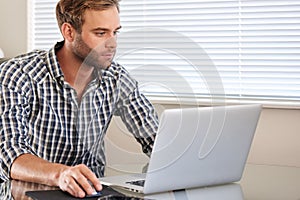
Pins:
x,y
111,42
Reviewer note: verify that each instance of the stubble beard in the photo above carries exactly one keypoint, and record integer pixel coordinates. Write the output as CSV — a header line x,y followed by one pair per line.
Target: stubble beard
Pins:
x,y
88,56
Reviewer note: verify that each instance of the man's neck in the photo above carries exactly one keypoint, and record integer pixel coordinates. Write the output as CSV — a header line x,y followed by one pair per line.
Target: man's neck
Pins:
x,y
76,73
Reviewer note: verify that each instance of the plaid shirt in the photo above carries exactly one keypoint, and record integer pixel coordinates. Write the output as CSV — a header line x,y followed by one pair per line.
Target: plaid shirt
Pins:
x,y
40,113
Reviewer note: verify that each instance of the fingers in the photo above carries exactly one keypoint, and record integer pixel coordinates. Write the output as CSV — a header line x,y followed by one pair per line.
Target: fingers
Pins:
x,y
73,188
94,181
79,181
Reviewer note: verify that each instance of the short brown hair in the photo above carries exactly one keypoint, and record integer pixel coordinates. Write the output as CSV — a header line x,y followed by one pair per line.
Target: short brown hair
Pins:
x,y
72,11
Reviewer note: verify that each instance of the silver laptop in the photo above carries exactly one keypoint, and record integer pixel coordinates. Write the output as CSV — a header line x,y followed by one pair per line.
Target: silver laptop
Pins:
x,y
196,147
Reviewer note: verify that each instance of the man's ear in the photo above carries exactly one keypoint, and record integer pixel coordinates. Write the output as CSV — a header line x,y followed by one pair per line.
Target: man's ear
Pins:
x,y
68,32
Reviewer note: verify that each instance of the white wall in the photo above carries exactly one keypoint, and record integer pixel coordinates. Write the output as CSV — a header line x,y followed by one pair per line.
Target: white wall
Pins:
x,y
277,139
13,27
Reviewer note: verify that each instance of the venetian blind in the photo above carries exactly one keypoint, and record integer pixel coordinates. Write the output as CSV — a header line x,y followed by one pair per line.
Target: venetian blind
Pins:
x,y
239,50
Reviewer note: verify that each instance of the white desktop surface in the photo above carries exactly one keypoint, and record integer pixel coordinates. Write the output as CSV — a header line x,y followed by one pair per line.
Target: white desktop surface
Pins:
x,y
259,182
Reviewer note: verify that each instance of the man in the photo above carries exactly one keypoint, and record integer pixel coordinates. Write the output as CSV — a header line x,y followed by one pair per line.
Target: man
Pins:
x,y
56,106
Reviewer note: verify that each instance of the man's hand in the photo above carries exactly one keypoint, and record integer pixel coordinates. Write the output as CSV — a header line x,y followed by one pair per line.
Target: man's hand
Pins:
x,y
79,181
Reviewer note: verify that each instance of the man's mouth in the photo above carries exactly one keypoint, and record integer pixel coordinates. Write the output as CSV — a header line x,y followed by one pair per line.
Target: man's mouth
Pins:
x,y
108,55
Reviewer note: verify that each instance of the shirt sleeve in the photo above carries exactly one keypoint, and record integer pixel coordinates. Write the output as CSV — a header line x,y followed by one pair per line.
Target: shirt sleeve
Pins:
x,y
136,112
14,111
5,190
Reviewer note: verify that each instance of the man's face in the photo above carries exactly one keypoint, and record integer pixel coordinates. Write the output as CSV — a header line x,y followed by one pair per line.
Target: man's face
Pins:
x,y
96,44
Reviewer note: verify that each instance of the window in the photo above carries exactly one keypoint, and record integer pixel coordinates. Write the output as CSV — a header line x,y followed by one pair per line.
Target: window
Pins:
x,y
43,29
208,50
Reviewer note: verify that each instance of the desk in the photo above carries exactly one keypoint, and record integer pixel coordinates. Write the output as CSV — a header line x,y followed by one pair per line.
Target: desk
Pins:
x,y
259,182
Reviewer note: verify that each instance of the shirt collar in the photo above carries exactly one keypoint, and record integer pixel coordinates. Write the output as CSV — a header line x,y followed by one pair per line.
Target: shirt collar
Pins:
x,y
54,68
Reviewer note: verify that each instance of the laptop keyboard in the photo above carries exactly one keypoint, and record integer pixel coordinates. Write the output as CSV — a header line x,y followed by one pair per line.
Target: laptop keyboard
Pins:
x,y
138,182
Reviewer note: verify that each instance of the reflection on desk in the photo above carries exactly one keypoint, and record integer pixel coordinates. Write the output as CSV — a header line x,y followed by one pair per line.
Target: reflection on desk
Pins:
x,y
259,182
15,190
222,192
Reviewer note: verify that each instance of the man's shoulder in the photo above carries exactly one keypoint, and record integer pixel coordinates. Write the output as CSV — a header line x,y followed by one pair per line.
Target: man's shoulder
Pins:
x,y
29,63
25,59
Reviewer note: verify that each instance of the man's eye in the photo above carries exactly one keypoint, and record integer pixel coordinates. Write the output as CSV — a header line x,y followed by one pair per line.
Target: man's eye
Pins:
x,y
116,32
100,33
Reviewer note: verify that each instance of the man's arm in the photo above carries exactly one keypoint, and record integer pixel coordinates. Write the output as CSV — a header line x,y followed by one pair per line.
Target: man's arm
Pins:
x,y
136,112
74,180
